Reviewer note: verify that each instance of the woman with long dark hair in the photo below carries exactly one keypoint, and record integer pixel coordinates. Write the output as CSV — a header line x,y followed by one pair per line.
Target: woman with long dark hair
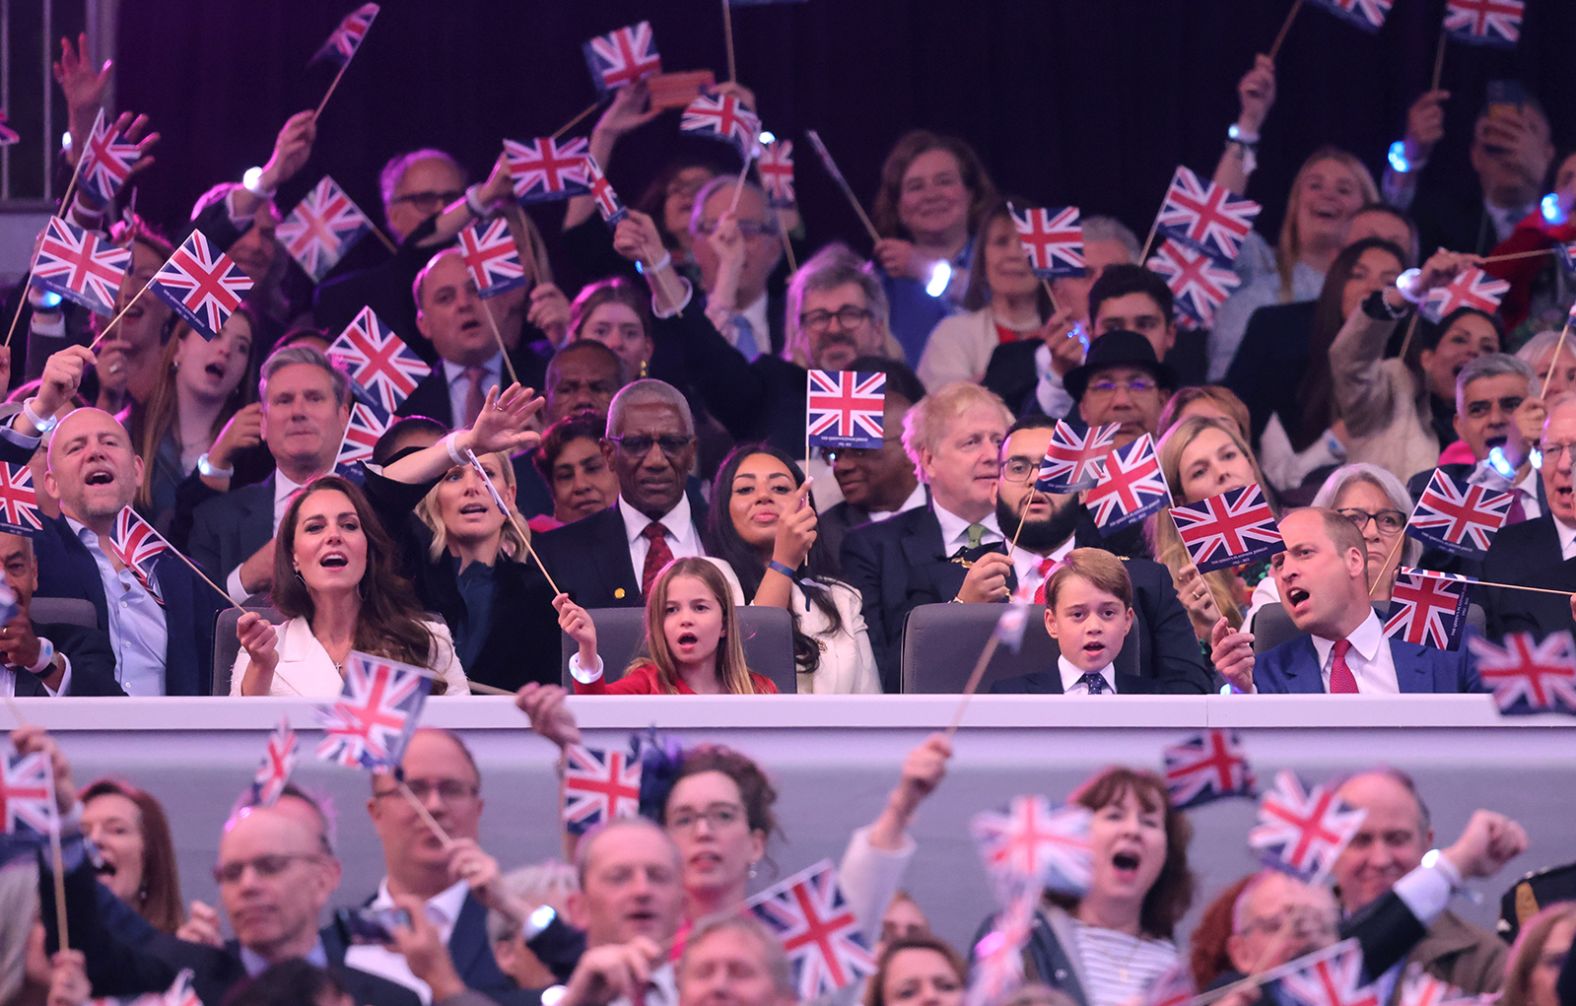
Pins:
x,y
762,524
129,828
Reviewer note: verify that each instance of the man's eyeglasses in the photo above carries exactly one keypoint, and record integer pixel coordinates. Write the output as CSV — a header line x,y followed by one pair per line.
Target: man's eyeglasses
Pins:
x,y
717,817
428,200
747,228
1551,453
1387,521
264,866
449,790
832,454
1480,408
1133,386
1019,471
640,446
848,317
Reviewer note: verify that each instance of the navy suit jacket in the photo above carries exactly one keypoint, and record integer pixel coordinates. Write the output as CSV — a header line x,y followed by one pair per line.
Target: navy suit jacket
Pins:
x,y
1050,683
66,569
92,661
1527,553
227,529
589,559
1293,668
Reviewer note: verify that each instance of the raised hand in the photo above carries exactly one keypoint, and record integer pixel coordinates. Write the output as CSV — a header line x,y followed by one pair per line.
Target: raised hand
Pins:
x,y
1256,92
257,636
292,147
83,89
502,423
1425,125
544,705
795,530
1231,651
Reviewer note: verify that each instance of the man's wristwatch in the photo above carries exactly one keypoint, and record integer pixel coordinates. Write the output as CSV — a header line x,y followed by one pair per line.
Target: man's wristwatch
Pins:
x,y
208,468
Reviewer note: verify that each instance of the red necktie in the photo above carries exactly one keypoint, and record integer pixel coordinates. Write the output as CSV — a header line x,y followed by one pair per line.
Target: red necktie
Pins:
x,y
1046,567
1517,513
476,394
657,556
1342,681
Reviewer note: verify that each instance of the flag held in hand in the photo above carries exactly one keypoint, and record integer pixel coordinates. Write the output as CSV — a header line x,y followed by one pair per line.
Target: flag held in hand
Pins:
x,y
545,170
27,795
273,773
1302,831
1334,978
1428,608
1230,529
81,266
491,257
1205,216
345,39
137,545
611,208
1368,15
996,966
18,501
722,117
366,426
322,228
202,284
1199,284
1129,487
1485,22
107,160
382,368
622,56
599,786
1052,238
1528,676
822,938
1032,841
1472,288
1073,458
375,715
775,167
1206,767
845,408
1458,517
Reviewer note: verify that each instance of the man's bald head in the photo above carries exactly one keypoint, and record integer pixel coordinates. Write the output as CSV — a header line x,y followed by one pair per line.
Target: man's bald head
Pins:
x,y
92,468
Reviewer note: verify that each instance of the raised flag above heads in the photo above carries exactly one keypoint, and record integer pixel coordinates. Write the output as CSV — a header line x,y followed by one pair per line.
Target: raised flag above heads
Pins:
x,y
491,257
107,160
1030,840
722,117
1472,288
1334,978
1302,831
202,284
345,39
366,426
384,370
844,408
611,208
1526,675
1130,486
1485,22
545,170
81,265
1052,238
322,228
598,787
18,500
1230,529
27,794
1199,284
137,545
1205,216
1368,15
1073,457
774,165
1458,517
1428,608
375,715
821,936
622,56
273,772
1206,767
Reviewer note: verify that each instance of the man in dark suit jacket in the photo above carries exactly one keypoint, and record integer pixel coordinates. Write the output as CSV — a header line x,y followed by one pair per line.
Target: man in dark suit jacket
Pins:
x,y
1323,581
306,404
39,659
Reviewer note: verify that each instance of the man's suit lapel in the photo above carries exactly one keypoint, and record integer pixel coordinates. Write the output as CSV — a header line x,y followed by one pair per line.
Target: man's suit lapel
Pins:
x,y
926,555
610,552
1414,672
83,570
1303,675
468,944
180,659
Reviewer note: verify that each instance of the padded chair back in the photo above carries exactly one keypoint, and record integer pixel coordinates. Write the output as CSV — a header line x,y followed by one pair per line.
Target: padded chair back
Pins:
x,y
620,632
941,642
226,647
63,610
1272,626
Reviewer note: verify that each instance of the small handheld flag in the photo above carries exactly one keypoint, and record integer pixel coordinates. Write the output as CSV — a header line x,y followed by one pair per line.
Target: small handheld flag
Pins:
x,y
608,204
1030,840
1199,284
546,170
1173,988
344,40
1012,624
1205,216
1485,22
1419,988
1368,15
1052,238
722,117
1334,979
996,966
81,266
18,501
1073,457
322,228
1428,608
202,284
1302,831
1529,676
27,795
1233,528
1458,517
366,426
844,408
775,168
380,365
1207,767
106,160
599,786
1472,288
1130,486
137,545
273,773
822,938
491,257
375,715
622,56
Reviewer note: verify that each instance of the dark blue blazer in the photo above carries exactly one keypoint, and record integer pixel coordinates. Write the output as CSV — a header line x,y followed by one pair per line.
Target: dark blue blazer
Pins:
x,y
589,559
66,569
228,528
1293,668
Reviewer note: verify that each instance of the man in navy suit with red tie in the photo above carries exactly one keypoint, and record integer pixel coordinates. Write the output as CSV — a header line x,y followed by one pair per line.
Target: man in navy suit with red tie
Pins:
x,y
1323,581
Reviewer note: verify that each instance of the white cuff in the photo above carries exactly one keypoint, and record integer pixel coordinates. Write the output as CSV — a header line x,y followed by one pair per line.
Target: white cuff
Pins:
x,y
65,679
689,294
1426,891
232,583
1049,391
582,675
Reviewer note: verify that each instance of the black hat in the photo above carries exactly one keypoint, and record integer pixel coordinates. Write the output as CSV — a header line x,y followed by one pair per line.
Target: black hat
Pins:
x,y
1118,349
1531,894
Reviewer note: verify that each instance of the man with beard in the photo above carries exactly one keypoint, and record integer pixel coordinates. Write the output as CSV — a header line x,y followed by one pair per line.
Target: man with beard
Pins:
x,y
1051,527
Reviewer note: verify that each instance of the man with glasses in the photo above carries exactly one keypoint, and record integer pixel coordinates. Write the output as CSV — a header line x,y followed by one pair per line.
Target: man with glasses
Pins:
x,y
1541,552
609,559
1121,381
737,299
876,482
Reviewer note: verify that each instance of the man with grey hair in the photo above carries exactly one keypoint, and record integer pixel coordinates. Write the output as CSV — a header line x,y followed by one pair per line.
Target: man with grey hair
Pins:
x,y
734,961
1538,353
609,559
305,405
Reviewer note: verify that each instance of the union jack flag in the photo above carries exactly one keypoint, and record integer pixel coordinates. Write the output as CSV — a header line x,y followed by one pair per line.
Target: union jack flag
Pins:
x,y
1052,238
106,161
996,969
1198,282
1032,841
1419,988
622,57
1207,767
599,786
181,993
1129,487
1012,624
844,408
378,361
1072,459
137,545
1227,530
1173,988
1332,978
344,40
607,202
822,938
273,773
322,228
1302,831
1368,15
375,715
1485,22
492,257
27,795
8,135
1473,288
1428,608
1527,676
367,424
1567,255
722,117
80,265
1205,216
545,170
775,168
1458,517
18,500
202,285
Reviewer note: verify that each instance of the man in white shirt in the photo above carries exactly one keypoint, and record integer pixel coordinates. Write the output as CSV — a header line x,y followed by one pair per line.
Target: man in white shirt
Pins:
x,y
1497,407
1323,580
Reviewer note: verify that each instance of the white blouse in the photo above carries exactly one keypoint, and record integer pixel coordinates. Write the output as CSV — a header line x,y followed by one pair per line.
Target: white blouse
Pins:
x,y
305,668
848,665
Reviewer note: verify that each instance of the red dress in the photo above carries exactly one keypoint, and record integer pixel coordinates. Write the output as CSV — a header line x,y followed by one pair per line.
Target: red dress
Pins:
x,y
641,679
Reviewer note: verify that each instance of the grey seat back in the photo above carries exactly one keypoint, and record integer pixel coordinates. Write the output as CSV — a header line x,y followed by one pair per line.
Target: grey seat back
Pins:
x,y
941,642
226,647
620,637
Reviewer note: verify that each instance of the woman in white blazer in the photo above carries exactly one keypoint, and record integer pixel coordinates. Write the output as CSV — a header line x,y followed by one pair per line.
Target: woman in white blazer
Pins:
x,y
762,525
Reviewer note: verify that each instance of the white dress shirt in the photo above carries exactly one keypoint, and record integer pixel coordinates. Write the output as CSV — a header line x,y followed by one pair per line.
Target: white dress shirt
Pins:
x,y
460,385
1369,659
443,910
1526,490
661,990
1567,539
1070,675
678,529
955,530
915,500
284,489
138,632
1026,565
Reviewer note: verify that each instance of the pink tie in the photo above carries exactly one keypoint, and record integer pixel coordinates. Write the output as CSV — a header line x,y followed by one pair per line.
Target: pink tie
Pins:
x,y
1342,681
1517,513
476,394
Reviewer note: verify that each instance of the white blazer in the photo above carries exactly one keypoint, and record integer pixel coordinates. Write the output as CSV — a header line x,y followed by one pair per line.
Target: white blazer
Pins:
x,y
306,670
848,666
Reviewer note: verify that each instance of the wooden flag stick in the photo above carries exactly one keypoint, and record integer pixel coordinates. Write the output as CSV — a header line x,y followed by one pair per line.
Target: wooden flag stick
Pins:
x,y
1285,27
76,172
1046,283
113,321
1520,586
21,305
377,232
477,686
216,588
337,77
426,816
782,235
492,323
1439,61
1510,256
973,682
513,519
572,123
744,174
1406,340
1559,347
727,39
841,182
1027,502
60,884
